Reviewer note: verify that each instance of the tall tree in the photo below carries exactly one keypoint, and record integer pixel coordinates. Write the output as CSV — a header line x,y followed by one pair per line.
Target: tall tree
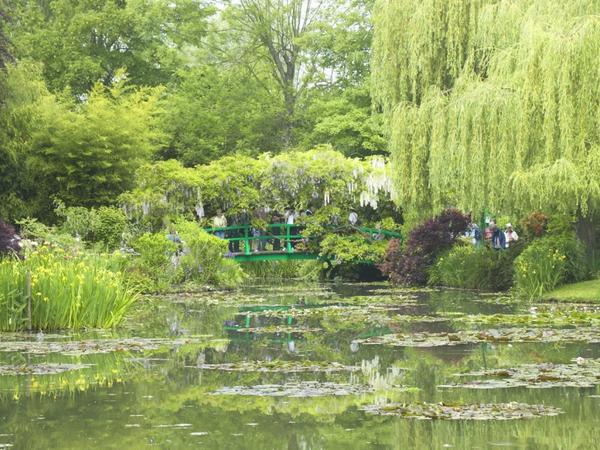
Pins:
x,y
216,110
81,42
274,28
338,109
492,104
85,153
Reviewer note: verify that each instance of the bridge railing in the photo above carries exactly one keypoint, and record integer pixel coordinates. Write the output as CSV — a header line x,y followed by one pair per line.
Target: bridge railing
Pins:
x,y
244,233
286,234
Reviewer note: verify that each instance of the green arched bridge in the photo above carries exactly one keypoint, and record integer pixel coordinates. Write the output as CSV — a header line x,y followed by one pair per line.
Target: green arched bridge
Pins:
x,y
280,241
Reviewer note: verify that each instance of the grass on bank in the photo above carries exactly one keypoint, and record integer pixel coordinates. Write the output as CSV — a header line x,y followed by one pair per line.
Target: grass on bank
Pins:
x,y
584,291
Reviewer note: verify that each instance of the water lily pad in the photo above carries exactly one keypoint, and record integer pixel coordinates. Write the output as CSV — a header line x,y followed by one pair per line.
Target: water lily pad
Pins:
x,y
319,310
379,314
40,369
582,373
441,411
278,329
509,335
301,389
535,318
96,346
279,366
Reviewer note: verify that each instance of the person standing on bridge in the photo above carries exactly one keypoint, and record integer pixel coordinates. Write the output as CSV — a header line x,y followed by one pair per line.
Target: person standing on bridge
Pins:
x,y
290,219
353,217
220,221
276,218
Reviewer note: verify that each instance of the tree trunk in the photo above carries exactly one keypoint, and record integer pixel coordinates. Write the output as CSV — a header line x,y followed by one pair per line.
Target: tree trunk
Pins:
x,y
288,123
587,232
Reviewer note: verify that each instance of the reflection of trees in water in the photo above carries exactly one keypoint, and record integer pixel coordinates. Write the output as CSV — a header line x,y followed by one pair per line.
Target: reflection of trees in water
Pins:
x,y
104,370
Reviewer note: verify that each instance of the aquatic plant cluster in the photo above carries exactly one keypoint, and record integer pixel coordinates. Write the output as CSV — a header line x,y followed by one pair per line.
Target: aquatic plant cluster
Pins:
x,y
53,289
582,373
441,411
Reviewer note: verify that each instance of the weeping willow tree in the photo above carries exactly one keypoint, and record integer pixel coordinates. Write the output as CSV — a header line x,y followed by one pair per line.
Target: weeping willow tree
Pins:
x,y
492,103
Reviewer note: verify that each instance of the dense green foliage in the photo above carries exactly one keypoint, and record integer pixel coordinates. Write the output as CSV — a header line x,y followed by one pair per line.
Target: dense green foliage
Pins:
x,y
120,119
202,259
495,106
105,225
153,270
236,77
5,54
547,263
67,291
81,154
101,87
547,255
472,267
82,42
198,260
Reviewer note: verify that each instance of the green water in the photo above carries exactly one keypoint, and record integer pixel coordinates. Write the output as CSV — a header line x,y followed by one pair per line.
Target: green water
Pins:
x,y
136,398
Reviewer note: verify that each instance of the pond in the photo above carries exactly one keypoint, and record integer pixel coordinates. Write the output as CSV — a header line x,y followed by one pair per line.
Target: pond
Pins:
x,y
311,366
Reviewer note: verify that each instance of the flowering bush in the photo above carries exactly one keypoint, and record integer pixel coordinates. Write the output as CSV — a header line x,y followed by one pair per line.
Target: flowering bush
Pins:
x,y
409,265
547,263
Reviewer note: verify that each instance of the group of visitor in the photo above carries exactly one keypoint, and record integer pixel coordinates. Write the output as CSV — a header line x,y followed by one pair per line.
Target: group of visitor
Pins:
x,y
493,236
261,234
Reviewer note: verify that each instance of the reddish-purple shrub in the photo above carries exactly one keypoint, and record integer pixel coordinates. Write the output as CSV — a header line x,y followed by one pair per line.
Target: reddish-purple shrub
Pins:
x,y
9,243
409,265
534,225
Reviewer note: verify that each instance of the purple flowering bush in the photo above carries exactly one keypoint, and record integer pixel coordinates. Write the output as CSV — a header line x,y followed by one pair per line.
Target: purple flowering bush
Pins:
x,y
409,264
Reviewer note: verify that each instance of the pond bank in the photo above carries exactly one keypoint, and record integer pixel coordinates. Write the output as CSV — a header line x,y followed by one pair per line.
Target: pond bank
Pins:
x,y
585,291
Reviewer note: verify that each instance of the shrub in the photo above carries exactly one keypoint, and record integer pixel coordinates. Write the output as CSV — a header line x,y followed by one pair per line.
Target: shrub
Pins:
x,y
200,260
352,249
152,269
352,257
104,225
203,258
548,262
110,226
472,267
67,291
409,265
534,225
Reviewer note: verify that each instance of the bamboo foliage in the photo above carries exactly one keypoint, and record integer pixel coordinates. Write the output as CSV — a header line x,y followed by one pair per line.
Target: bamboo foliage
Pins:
x,y
491,103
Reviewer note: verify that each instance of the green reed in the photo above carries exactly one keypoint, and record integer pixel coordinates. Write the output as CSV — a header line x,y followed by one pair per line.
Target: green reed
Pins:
x,y
66,291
